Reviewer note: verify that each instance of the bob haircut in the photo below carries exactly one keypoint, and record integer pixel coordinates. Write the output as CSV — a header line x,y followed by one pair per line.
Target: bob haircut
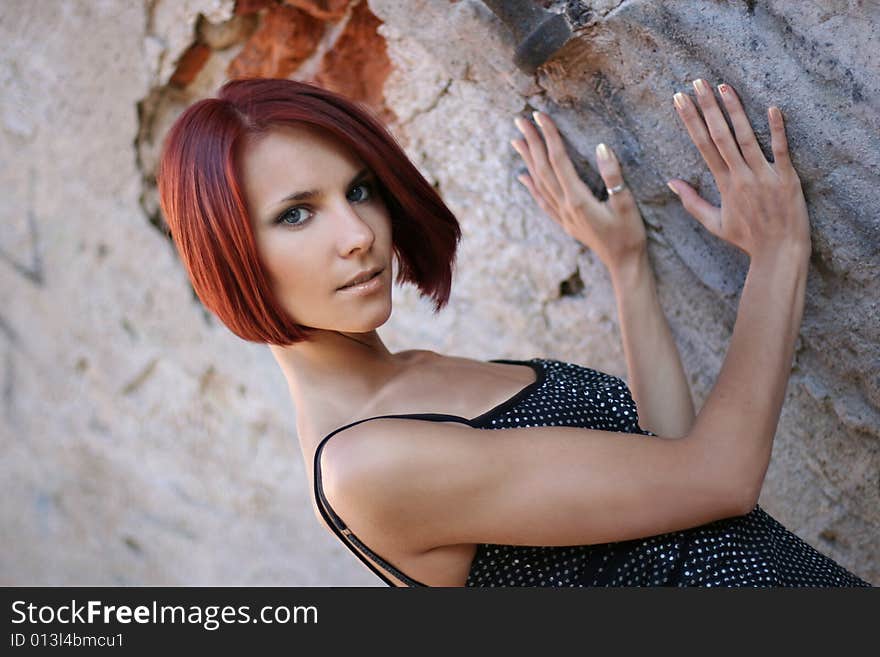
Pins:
x,y
200,195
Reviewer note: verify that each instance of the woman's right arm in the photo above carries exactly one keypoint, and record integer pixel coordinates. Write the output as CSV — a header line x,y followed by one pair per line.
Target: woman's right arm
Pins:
x,y
430,484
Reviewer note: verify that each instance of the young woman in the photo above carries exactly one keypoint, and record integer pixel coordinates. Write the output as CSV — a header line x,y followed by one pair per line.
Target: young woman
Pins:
x,y
290,205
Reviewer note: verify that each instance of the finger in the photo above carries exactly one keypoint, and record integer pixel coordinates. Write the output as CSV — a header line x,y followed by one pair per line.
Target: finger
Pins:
x,y
609,167
718,128
700,209
781,157
523,150
612,176
542,173
573,187
745,136
548,209
542,197
700,136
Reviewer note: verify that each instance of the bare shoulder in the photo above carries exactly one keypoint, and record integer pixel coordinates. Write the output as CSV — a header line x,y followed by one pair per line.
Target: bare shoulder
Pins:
x,y
432,484
367,471
377,449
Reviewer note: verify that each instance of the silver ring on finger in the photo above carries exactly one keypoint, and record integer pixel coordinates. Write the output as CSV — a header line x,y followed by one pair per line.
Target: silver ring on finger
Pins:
x,y
616,189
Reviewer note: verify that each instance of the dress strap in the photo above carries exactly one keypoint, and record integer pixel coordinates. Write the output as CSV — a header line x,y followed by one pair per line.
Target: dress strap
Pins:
x,y
336,523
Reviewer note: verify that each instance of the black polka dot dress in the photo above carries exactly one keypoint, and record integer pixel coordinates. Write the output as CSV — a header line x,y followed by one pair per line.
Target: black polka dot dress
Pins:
x,y
752,550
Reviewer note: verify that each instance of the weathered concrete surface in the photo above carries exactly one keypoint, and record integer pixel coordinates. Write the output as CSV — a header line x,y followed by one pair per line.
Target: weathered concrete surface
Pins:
x,y
614,83
144,444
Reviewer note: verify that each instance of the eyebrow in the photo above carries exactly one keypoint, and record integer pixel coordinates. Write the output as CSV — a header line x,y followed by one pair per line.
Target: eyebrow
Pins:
x,y
312,193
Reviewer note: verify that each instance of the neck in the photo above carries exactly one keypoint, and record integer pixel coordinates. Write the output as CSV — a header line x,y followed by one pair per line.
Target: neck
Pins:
x,y
334,370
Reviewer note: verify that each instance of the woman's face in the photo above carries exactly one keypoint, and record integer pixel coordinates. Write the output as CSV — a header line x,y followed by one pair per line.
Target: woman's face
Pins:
x,y
312,245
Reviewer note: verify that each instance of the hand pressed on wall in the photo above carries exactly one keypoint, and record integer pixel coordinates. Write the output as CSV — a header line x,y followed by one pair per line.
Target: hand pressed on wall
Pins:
x,y
762,203
613,229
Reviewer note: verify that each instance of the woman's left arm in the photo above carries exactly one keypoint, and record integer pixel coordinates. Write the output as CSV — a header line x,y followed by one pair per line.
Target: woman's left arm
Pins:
x,y
657,378
615,232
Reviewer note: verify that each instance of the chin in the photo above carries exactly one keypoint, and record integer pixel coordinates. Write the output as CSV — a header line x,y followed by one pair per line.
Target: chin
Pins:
x,y
368,320
381,317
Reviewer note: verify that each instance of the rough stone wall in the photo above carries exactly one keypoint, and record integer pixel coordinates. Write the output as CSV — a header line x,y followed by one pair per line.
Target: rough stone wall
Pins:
x,y
144,444
614,82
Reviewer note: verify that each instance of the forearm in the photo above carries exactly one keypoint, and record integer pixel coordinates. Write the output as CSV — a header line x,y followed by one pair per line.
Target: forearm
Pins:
x,y
656,376
739,419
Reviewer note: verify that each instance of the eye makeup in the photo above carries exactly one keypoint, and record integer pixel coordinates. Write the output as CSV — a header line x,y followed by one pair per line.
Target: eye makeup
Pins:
x,y
365,181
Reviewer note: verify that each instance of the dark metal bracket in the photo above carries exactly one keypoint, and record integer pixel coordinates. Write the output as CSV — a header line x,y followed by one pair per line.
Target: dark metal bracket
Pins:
x,y
539,33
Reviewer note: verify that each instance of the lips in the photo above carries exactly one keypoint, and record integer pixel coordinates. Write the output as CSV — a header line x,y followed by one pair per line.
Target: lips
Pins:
x,y
363,278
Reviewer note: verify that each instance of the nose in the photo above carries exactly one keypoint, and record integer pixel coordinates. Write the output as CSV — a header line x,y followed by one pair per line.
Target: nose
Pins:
x,y
353,231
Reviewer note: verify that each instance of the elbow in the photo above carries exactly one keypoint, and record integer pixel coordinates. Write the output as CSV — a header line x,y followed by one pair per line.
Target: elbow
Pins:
x,y
737,495
734,491
733,483
744,496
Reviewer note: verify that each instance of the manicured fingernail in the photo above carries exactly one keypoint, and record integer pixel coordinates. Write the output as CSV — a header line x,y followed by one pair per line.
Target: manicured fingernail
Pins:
x,y
602,152
537,116
701,86
520,124
678,99
674,191
723,88
775,114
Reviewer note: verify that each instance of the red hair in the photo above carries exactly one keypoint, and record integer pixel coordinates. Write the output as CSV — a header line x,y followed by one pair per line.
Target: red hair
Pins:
x,y
200,194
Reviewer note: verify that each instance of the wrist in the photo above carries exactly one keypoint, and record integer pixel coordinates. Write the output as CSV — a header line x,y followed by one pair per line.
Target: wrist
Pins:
x,y
631,270
792,257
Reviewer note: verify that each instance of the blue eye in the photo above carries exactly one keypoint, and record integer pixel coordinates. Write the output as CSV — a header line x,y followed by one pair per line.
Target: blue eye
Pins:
x,y
365,186
288,213
291,212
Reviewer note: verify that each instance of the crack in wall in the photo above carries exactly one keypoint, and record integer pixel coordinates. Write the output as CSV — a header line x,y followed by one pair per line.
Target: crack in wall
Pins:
x,y
31,271
431,107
